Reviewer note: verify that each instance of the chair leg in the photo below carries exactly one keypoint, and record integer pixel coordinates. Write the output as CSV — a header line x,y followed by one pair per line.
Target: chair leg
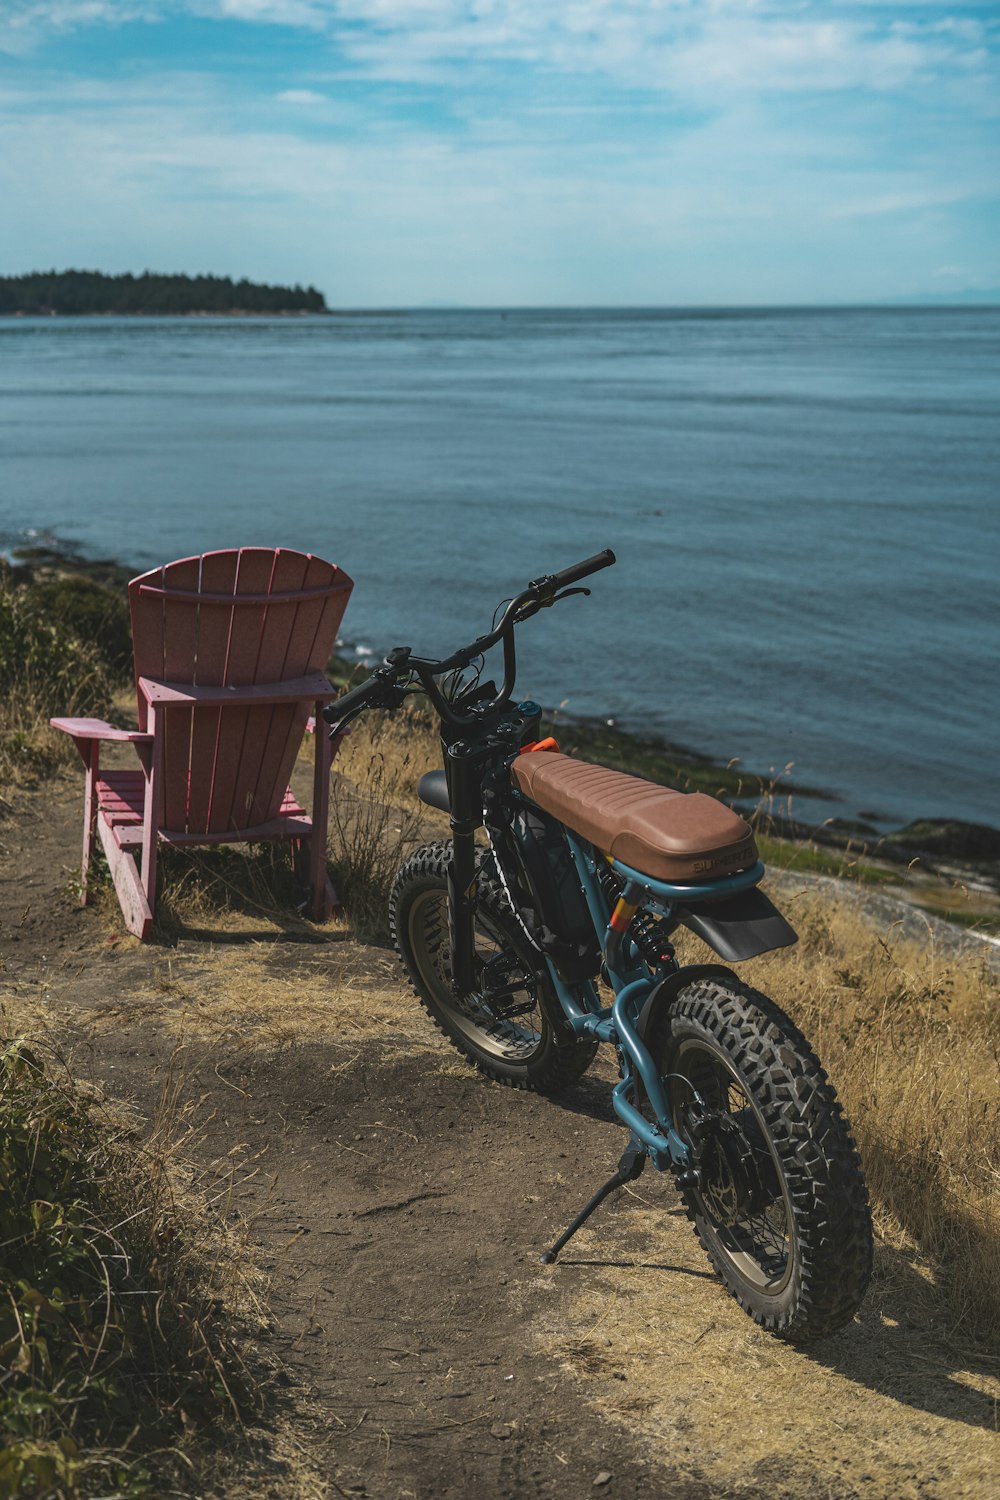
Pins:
x,y
132,899
149,873
151,757
91,765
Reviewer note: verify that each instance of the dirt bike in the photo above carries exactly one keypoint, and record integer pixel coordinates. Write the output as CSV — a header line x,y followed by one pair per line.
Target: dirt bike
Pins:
x,y
514,948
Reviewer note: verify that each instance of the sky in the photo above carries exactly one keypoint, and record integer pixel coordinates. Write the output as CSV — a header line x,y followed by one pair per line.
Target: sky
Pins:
x,y
402,153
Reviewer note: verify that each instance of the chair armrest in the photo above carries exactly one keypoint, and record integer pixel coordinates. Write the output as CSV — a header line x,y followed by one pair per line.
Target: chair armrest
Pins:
x,y
295,690
97,729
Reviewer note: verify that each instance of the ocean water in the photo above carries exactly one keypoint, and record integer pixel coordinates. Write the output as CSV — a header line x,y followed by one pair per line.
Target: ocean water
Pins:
x,y
804,505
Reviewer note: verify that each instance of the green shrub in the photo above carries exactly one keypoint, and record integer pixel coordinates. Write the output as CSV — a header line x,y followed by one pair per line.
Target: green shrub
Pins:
x,y
41,654
46,669
90,613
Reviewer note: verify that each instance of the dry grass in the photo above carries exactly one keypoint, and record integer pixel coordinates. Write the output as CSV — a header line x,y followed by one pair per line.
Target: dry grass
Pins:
x,y
240,1000
208,890
375,815
128,1302
28,746
882,1410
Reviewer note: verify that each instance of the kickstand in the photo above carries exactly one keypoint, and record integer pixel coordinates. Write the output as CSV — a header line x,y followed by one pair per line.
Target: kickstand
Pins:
x,y
629,1168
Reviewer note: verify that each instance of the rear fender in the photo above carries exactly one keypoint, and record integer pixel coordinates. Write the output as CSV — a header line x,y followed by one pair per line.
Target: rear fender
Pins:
x,y
663,994
740,926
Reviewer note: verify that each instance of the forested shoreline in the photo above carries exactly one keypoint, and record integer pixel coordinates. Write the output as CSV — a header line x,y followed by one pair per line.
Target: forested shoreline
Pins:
x,y
82,293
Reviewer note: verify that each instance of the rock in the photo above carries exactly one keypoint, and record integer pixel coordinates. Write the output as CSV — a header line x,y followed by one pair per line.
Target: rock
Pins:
x,y
948,838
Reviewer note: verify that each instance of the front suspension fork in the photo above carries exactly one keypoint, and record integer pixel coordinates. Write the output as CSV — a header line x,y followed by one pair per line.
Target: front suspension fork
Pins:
x,y
466,816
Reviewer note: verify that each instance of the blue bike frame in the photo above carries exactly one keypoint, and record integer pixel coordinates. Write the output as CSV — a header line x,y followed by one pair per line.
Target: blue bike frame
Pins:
x,y
632,981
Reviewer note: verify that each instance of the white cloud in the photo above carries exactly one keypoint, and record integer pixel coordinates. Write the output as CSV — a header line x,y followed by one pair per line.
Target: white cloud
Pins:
x,y
746,44
305,13
24,23
691,49
880,203
300,96
62,15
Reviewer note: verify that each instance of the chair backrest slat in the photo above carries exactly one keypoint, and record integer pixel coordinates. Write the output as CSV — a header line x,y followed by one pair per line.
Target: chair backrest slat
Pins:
x,y
240,729
179,630
280,656
218,576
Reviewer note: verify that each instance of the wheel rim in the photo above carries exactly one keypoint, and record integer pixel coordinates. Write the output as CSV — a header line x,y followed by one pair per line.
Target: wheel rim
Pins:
x,y
745,1204
503,1018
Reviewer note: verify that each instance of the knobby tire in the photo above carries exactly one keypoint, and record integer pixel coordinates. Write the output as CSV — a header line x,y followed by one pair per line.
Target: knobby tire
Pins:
x,y
736,1043
535,1050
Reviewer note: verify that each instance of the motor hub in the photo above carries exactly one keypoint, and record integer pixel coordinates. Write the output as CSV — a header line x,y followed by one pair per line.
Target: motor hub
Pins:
x,y
732,1169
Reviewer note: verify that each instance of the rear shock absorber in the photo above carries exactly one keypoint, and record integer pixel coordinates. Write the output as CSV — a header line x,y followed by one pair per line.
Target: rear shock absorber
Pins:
x,y
650,934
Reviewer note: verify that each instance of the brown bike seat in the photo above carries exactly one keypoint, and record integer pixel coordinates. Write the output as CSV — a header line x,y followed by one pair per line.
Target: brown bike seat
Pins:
x,y
669,835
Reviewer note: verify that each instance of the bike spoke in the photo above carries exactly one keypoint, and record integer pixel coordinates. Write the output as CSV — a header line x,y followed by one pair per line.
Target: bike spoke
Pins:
x,y
758,1237
512,1026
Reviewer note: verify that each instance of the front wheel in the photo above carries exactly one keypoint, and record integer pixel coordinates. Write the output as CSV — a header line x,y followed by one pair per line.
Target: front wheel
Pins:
x,y
511,1027
781,1206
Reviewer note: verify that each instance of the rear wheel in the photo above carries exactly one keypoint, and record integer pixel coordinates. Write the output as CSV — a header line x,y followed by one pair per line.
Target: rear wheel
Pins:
x,y
511,1026
781,1207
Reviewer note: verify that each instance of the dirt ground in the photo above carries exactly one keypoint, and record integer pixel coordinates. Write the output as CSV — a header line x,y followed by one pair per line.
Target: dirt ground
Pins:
x,y
398,1203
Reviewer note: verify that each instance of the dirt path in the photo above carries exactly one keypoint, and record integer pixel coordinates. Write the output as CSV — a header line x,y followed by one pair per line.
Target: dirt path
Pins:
x,y
398,1203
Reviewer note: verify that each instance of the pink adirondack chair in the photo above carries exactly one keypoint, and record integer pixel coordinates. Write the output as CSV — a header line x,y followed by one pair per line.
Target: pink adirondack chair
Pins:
x,y
230,656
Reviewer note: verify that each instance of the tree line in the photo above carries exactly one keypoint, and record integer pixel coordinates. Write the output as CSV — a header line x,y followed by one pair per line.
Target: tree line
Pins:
x,y
42,293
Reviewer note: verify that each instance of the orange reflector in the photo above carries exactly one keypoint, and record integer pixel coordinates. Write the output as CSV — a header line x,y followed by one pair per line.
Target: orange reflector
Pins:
x,y
548,744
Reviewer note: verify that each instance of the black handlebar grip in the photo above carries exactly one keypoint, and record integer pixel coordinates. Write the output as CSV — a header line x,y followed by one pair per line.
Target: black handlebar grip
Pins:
x,y
584,569
358,697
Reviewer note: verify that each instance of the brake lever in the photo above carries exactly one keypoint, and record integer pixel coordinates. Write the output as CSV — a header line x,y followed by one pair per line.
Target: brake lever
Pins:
x,y
391,696
338,727
534,605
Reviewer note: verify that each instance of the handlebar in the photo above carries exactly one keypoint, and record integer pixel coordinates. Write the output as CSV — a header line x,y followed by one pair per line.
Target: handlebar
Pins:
x,y
385,689
577,571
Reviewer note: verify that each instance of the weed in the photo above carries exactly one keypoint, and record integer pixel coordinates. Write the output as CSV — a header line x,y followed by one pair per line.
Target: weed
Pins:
x,y
375,815
201,885
114,1334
